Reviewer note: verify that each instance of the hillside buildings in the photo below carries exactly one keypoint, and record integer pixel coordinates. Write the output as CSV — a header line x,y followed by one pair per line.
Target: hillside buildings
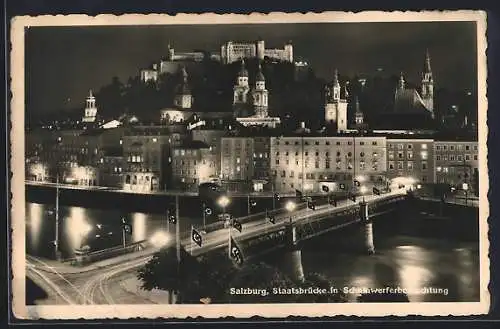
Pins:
x,y
248,149
233,51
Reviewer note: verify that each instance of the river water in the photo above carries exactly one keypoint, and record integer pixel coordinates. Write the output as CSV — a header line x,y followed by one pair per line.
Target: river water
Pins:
x,y
433,264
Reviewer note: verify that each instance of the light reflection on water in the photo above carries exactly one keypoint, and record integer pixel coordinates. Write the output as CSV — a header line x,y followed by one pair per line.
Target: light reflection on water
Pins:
x,y
93,227
429,270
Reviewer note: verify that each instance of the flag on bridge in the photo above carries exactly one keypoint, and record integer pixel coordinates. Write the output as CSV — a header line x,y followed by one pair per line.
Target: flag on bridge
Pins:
x,y
196,237
237,225
376,191
333,201
270,218
352,198
126,226
299,195
236,253
311,205
171,214
208,210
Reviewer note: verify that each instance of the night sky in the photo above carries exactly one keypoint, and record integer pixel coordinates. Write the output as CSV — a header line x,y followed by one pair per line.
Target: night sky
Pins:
x,y
63,63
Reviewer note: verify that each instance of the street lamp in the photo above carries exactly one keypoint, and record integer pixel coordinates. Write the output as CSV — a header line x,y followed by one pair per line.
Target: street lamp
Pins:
x,y
465,187
290,207
223,202
160,239
363,189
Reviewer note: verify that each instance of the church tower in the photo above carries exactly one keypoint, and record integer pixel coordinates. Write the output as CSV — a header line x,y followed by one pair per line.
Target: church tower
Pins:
x,y
90,109
401,83
260,95
335,105
241,87
358,114
428,84
183,98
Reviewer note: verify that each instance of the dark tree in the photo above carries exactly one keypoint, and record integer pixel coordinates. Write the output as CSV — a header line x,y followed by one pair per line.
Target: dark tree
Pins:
x,y
164,272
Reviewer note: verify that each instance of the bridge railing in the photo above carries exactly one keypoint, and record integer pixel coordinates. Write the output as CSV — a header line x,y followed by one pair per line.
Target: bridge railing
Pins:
x,y
98,255
253,217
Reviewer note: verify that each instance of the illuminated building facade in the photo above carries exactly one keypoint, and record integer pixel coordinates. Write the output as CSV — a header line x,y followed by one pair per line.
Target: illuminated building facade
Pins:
x,y
237,162
457,162
193,163
410,160
147,156
307,163
211,137
234,51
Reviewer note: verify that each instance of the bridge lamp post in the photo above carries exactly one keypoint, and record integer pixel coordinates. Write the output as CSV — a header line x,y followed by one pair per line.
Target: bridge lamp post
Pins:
x,y
363,191
290,207
223,202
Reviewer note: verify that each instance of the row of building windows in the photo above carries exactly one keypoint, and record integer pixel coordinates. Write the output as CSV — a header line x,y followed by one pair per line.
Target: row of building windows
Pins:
x,y
338,165
458,147
194,163
467,157
326,143
409,165
317,153
409,155
408,146
446,170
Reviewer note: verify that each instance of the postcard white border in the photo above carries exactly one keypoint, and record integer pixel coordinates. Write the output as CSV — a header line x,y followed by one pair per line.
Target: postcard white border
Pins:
x,y
241,311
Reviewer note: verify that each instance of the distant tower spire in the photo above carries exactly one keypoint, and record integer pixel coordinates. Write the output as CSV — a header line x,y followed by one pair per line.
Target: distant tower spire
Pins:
x,y
241,88
401,84
427,65
358,115
346,90
183,97
90,112
336,86
260,95
428,84
184,75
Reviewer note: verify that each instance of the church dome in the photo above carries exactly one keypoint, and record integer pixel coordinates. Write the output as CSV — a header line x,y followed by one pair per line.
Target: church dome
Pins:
x,y
243,71
260,75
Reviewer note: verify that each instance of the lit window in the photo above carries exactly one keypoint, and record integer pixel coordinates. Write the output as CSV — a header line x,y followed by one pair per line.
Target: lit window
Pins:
x,y
424,146
423,154
238,169
438,169
121,142
155,139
